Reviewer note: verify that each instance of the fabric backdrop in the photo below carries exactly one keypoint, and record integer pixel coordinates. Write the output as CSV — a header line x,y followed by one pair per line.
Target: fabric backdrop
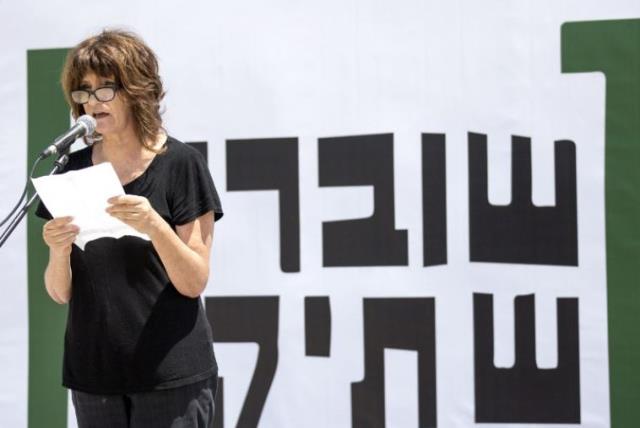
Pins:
x,y
431,208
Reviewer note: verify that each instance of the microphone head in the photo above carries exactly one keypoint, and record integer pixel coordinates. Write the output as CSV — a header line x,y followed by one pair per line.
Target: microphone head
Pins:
x,y
88,122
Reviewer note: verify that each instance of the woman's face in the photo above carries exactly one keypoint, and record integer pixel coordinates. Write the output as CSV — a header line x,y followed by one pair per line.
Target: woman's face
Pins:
x,y
112,117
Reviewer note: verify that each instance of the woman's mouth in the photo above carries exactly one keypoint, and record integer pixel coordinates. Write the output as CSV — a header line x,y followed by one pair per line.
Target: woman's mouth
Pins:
x,y
100,115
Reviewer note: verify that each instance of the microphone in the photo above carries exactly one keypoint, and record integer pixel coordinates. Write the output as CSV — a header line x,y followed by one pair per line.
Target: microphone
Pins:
x,y
85,125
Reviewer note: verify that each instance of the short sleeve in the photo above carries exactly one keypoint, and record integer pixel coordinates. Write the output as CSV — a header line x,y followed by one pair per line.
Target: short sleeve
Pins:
x,y
43,212
193,192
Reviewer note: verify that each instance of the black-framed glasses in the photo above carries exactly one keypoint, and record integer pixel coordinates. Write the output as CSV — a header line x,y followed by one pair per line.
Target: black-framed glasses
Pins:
x,y
102,94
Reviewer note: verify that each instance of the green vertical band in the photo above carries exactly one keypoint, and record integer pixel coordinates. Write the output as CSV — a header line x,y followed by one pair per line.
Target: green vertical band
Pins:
x,y
613,47
48,116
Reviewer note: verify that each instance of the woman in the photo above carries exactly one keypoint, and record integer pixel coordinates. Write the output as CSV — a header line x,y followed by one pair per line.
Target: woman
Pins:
x,y
138,347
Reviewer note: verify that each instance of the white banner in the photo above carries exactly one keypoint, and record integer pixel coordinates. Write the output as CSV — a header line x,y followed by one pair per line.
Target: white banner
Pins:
x,y
453,307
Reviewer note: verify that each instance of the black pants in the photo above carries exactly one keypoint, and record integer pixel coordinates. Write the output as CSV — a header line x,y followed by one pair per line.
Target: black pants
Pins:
x,y
189,406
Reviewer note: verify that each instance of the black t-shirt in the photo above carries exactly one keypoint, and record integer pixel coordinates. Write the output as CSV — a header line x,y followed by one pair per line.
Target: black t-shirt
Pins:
x,y
128,328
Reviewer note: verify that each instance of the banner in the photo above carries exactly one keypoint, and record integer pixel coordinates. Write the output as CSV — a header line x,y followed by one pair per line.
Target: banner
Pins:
x,y
431,209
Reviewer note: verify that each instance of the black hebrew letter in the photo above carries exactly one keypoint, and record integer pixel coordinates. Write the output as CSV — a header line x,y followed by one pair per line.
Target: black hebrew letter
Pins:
x,y
374,241
521,232
525,393
271,164
317,326
247,319
434,200
396,323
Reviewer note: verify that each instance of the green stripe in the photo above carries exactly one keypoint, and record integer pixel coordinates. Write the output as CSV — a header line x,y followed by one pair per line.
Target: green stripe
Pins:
x,y
613,47
48,116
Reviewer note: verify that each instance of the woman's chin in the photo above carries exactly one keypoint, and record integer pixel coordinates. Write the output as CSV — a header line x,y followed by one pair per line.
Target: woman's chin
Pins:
x,y
103,130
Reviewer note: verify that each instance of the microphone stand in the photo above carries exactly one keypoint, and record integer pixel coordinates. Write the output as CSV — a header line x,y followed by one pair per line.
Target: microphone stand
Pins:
x,y
59,164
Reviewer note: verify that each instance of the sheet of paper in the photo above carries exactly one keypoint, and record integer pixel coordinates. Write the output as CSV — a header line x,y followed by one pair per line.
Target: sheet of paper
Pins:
x,y
83,194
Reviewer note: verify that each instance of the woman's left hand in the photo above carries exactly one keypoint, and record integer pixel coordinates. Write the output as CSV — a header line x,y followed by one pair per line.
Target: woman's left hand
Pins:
x,y
136,211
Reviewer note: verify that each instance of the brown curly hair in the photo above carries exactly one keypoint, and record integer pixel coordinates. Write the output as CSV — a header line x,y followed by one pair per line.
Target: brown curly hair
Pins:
x,y
126,57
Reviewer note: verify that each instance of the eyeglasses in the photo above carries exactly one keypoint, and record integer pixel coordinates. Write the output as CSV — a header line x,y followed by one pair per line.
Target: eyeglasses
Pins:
x,y
102,94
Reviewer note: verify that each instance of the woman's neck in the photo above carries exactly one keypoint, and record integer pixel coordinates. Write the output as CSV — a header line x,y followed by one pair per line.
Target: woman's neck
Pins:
x,y
120,149
123,147
120,145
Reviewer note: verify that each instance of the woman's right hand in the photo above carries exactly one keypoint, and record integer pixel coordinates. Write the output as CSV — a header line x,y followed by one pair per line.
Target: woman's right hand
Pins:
x,y
59,234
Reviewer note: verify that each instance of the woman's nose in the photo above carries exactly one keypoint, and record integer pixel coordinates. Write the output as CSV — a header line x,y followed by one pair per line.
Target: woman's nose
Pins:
x,y
92,100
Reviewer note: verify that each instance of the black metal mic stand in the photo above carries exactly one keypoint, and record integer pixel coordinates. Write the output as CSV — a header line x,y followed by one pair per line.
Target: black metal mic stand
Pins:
x,y
59,164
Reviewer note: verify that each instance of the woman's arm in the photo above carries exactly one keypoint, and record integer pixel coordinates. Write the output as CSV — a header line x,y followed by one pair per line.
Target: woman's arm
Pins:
x,y
184,253
57,277
59,235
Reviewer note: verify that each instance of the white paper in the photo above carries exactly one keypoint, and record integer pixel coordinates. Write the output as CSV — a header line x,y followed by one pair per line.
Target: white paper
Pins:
x,y
83,195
